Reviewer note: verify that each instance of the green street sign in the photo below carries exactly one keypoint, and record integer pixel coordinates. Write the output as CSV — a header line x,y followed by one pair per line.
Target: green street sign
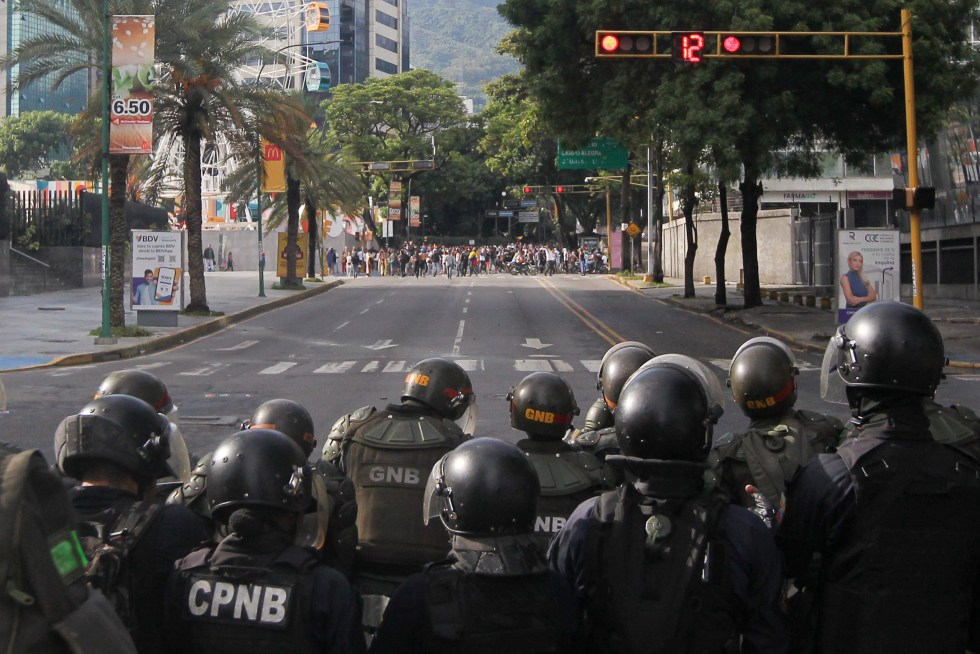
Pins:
x,y
603,153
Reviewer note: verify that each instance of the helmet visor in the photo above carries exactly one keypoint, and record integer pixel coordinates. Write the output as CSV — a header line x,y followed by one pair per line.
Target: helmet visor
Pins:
x,y
313,533
832,387
436,493
467,421
179,461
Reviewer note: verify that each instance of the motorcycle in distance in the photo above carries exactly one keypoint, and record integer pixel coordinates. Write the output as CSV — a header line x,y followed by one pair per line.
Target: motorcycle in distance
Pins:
x,y
596,268
522,268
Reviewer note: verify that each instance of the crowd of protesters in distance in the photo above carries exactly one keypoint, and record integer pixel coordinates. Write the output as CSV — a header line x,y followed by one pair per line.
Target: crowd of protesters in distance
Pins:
x,y
432,260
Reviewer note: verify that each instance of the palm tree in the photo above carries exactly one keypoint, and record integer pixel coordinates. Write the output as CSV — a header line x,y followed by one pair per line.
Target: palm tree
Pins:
x,y
199,98
313,172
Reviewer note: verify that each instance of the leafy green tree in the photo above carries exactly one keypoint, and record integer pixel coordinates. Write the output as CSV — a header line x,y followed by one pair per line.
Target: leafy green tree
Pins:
x,y
771,106
29,141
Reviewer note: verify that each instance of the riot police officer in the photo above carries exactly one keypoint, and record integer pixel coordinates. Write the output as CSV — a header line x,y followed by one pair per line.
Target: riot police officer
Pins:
x,y
884,533
332,531
618,363
116,448
494,592
543,406
151,389
664,564
387,454
780,438
257,591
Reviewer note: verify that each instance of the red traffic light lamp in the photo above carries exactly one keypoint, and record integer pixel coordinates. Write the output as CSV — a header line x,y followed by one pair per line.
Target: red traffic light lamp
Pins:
x,y
527,189
748,44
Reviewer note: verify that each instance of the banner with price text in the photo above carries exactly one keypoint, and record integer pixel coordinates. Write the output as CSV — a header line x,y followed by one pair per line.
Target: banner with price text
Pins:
x,y
131,105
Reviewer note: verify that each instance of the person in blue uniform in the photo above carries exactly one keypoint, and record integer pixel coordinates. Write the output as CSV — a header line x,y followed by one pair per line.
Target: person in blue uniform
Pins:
x,y
258,591
883,536
665,563
494,593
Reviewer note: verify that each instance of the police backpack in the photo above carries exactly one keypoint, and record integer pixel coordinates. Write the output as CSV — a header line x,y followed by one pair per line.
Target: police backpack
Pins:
x,y
47,606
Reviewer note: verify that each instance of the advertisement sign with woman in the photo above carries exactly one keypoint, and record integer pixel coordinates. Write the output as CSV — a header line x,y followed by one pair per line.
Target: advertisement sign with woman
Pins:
x,y
868,267
157,270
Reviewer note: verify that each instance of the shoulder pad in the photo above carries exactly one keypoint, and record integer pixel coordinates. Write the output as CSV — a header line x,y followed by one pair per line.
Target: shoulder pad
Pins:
x,y
193,492
729,446
815,417
587,438
564,474
966,413
419,431
332,448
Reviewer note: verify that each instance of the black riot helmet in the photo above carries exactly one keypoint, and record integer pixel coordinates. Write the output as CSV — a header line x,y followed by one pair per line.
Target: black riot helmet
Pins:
x,y
441,385
120,429
886,346
667,410
763,377
542,405
288,417
618,363
258,468
137,383
484,487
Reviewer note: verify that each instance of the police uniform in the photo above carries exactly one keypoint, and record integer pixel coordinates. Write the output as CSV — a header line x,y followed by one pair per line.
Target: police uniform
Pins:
x,y
885,536
769,452
954,425
265,596
567,477
172,533
639,600
388,454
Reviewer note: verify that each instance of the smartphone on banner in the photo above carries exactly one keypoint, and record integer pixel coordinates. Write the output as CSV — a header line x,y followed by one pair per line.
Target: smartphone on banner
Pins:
x,y
165,284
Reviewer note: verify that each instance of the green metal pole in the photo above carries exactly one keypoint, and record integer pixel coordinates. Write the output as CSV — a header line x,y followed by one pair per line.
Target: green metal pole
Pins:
x,y
105,335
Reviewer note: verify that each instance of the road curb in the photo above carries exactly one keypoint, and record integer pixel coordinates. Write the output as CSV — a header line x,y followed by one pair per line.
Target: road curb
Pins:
x,y
186,335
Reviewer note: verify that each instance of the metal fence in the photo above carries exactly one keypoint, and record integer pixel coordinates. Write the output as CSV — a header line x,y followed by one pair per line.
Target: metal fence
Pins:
x,y
44,219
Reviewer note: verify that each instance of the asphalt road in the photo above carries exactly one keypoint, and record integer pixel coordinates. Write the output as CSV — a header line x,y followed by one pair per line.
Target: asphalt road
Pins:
x,y
351,347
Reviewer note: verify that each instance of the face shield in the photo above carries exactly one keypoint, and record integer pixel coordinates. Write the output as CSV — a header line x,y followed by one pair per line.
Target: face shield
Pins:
x,y
313,533
839,350
438,497
179,461
467,421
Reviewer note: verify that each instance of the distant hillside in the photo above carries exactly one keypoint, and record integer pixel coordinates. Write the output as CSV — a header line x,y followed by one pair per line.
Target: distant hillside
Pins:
x,y
457,39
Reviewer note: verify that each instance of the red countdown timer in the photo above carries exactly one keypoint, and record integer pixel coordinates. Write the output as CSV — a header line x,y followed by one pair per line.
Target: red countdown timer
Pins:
x,y
687,46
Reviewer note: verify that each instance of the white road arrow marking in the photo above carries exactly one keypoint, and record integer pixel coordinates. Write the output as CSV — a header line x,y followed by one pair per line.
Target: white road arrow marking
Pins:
x,y
381,345
535,343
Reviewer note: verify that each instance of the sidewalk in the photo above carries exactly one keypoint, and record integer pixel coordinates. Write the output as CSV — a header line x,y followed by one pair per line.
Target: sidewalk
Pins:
x,y
809,328
52,329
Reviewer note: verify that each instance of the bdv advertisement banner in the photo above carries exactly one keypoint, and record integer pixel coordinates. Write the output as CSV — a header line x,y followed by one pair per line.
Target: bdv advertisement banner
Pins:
x,y
131,106
157,271
868,265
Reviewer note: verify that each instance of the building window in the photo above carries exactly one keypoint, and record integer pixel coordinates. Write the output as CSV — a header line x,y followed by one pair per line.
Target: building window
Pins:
x,y
386,43
386,66
393,3
386,19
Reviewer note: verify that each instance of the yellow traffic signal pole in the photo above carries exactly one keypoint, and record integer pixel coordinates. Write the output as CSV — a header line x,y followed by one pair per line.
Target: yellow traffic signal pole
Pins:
x,y
912,144
654,50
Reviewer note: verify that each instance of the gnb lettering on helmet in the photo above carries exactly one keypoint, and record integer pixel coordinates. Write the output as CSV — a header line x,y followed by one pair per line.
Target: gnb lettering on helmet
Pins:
x,y
213,599
417,378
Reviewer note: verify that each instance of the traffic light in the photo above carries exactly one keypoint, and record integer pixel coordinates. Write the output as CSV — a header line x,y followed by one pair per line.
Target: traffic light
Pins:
x,y
527,189
748,44
687,46
624,44
559,189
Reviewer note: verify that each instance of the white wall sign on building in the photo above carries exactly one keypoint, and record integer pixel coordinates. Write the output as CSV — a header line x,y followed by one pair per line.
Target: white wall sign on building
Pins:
x,y
158,268
868,263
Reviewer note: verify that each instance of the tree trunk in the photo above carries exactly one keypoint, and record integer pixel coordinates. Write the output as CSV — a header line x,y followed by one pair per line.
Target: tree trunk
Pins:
x,y
118,238
720,295
314,233
690,232
751,189
192,205
292,229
